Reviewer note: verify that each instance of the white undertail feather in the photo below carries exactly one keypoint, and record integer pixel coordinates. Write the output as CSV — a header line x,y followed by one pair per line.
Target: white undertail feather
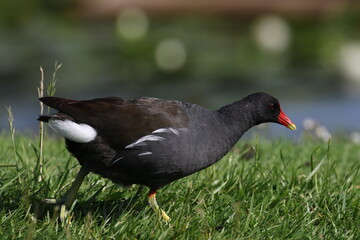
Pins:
x,y
80,133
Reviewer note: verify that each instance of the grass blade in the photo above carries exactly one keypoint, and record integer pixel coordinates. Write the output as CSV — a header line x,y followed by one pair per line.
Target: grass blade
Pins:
x,y
308,178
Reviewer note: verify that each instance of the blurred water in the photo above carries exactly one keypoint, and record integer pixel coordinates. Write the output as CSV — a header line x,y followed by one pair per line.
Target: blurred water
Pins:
x,y
310,64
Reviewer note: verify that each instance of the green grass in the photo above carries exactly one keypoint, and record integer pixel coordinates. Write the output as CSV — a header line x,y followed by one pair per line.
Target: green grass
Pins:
x,y
260,190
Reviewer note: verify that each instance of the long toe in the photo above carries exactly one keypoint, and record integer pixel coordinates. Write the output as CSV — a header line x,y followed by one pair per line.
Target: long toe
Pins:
x,y
165,216
64,201
52,201
63,213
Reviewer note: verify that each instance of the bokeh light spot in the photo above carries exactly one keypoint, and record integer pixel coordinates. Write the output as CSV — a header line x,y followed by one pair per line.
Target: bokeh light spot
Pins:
x,y
132,23
272,34
170,55
349,60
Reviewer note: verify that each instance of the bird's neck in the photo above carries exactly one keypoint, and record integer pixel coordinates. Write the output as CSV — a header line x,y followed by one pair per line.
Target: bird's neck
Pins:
x,y
238,117
228,125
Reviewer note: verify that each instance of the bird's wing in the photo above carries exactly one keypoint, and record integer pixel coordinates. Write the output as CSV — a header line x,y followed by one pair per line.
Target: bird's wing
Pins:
x,y
119,122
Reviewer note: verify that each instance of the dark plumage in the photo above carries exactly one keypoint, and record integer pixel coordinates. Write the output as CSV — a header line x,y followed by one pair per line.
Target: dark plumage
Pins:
x,y
151,141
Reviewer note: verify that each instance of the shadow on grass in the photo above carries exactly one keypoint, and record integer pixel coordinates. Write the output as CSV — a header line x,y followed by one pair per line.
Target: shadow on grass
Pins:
x,y
109,209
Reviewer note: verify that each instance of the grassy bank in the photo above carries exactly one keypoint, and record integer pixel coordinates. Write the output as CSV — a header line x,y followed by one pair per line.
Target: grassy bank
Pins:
x,y
260,190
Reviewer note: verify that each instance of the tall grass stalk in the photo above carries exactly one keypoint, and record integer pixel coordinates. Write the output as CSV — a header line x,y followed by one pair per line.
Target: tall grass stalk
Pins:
x,y
10,119
50,90
41,129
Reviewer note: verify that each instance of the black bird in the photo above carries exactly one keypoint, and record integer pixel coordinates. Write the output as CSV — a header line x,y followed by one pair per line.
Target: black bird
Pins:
x,y
152,141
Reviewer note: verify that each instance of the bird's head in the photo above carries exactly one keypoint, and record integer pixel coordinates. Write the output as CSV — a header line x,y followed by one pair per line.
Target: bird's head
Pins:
x,y
268,110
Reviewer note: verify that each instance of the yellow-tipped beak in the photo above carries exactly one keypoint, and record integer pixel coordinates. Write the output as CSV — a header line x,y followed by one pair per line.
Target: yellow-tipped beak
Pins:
x,y
284,120
291,126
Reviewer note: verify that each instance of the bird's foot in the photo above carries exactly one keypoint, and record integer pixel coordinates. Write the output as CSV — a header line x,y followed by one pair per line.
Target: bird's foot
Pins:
x,y
162,214
60,207
165,216
68,200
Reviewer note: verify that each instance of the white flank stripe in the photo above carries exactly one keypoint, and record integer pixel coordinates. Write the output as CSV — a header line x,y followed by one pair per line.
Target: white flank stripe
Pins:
x,y
80,133
145,138
160,130
144,153
118,159
176,132
166,130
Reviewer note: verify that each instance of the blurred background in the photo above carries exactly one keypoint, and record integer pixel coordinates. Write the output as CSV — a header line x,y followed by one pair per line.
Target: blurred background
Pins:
x,y
209,52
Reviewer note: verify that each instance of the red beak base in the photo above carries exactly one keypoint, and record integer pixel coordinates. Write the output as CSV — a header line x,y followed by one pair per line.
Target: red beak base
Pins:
x,y
284,120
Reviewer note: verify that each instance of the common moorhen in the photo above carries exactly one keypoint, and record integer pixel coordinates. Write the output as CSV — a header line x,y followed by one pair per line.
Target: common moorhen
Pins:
x,y
152,141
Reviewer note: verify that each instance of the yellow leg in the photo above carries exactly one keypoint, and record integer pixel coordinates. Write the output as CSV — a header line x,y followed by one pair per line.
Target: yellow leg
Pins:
x,y
154,205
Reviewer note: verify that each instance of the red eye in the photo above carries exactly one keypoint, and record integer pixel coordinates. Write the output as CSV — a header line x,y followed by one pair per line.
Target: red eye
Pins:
x,y
271,106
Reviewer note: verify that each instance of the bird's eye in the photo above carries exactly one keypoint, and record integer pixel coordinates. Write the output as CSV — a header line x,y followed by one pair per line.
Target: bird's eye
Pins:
x,y
271,106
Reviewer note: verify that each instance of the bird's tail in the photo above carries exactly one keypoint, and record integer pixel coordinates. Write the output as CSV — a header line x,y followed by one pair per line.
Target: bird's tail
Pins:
x,y
44,118
54,116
